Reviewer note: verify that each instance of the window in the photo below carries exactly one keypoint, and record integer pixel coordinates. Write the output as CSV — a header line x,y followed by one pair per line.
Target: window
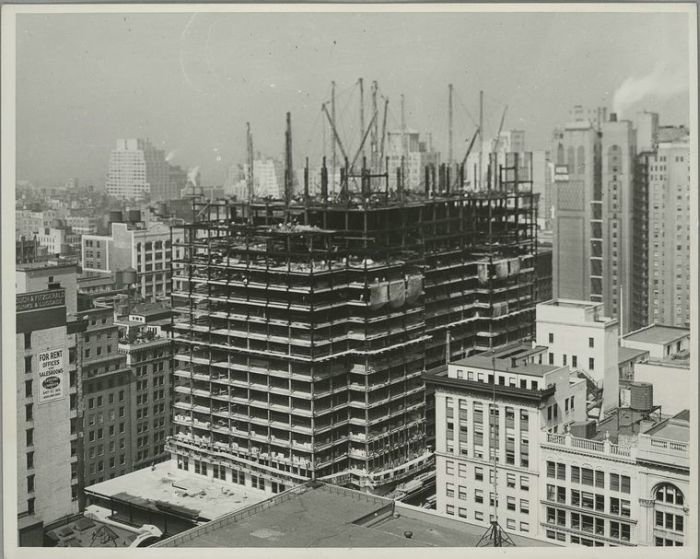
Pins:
x,y
450,491
30,460
587,476
551,338
574,361
625,484
510,480
462,512
30,437
479,474
524,506
28,413
450,509
510,503
462,470
478,515
462,493
27,340
478,496
524,483
551,359
591,364
524,527
28,388
449,467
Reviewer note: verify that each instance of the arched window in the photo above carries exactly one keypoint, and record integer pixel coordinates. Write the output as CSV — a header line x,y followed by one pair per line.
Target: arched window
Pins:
x,y
667,493
669,515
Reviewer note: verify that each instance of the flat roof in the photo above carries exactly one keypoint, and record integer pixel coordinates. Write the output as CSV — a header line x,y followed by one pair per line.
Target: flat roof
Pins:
x,y
85,531
676,428
625,354
500,360
657,334
210,498
30,266
329,516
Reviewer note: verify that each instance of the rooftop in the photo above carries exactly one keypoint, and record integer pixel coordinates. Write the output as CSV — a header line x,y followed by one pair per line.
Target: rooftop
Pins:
x,y
45,265
676,428
657,334
504,360
149,309
165,484
329,516
88,530
625,354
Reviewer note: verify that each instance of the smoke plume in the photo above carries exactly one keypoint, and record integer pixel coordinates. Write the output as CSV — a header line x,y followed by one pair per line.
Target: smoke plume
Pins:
x,y
663,82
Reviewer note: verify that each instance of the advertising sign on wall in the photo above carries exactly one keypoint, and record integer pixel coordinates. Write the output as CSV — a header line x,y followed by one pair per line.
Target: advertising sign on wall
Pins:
x,y
51,371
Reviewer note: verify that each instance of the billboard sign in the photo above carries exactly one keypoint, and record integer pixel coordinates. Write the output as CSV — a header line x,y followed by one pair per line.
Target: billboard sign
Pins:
x,y
41,300
51,373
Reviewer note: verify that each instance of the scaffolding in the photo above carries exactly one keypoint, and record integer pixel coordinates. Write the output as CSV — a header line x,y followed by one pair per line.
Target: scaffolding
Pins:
x,y
304,325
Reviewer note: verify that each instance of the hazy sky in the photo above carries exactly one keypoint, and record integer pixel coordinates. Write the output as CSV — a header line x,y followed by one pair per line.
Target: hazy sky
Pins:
x,y
190,82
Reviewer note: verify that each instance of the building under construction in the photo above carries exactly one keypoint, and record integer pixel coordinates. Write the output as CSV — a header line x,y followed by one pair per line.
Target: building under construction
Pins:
x,y
304,324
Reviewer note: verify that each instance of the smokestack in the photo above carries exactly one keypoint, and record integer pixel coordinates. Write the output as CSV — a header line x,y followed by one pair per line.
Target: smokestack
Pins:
x,y
306,180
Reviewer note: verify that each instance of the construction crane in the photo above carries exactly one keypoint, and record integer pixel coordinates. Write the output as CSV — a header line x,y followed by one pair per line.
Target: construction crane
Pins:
x,y
335,132
466,155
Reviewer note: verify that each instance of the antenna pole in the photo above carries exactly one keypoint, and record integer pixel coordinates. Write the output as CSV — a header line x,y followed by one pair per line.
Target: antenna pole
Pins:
x,y
250,185
481,137
333,152
450,158
362,111
373,138
404,143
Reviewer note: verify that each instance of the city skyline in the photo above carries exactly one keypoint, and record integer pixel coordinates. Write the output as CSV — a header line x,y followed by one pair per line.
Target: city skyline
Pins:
x,y
254,311
195,101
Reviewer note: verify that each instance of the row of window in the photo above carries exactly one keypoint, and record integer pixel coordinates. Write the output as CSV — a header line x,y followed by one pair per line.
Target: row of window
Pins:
x,y
478,475
588,476
479,515
587,523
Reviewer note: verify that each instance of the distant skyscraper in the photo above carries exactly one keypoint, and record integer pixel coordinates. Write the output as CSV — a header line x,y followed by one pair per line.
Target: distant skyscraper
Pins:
x,y
593,223
138,170
417,154
668,173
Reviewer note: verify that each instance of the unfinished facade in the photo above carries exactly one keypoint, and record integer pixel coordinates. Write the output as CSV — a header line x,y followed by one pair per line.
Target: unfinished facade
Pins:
x,y
303,325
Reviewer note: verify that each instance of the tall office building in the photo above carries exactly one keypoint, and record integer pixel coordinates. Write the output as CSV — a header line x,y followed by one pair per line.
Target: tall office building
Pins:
x,y
138,170
593,224
47,397
303,329
668,176
417,153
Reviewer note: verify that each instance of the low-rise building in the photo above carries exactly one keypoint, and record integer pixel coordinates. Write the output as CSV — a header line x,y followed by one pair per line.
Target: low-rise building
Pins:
x,y
144,342
660,341
490,409
109,396
580,336
625,482
133,245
